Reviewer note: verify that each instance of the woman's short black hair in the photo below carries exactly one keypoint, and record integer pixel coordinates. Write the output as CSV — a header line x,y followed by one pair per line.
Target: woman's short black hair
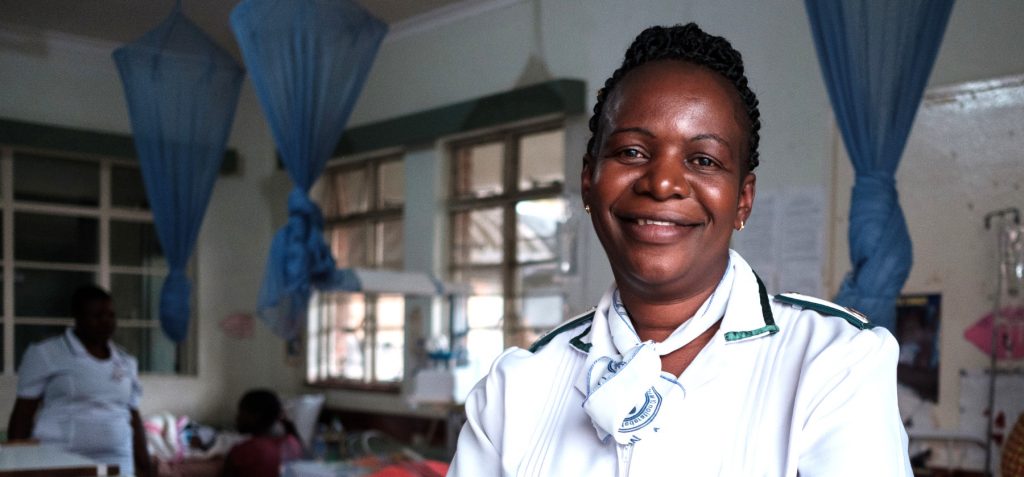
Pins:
x,y
84,295
263,406
686,43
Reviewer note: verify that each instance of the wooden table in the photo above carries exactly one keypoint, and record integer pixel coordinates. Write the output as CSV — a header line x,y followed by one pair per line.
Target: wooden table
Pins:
x,y
41,460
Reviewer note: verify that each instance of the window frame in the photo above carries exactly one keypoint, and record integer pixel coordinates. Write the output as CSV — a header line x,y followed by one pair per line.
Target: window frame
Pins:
x,y
105,212
375,214
513,331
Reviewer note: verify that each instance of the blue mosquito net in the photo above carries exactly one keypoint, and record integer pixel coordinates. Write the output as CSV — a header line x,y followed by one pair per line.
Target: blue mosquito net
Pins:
x,y
876,56
308,60
182,90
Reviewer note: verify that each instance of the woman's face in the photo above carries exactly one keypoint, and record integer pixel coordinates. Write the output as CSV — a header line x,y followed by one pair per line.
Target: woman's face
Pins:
x,y
667,186
96,321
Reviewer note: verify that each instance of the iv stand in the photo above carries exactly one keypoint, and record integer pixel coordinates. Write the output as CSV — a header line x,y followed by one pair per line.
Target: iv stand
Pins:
x,y
1002,215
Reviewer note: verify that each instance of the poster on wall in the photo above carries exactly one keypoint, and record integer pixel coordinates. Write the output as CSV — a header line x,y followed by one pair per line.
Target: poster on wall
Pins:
x,y
917,331
784,239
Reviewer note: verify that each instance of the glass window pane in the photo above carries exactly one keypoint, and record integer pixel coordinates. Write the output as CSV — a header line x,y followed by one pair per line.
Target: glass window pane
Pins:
x,y
541,311
350,245
485,311
46,293
391,184
127,189
346,310
390,312
347,192
25,335
481,281
540,278
541,159
55,238
344,348
388,357
53,180
156,353
477,236
479,170
537,229
389,244
136,297
135,244
348,359
482,346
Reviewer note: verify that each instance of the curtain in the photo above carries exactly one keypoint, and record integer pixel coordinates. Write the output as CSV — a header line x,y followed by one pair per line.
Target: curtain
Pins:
x,y
181,90
308,60
876,56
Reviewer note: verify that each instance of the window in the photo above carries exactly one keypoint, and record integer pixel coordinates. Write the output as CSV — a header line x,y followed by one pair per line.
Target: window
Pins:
x,y
69,221
358,339
505,209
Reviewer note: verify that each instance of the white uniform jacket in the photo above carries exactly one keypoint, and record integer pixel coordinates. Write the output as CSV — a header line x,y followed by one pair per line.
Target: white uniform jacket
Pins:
x,y
87,402
788,386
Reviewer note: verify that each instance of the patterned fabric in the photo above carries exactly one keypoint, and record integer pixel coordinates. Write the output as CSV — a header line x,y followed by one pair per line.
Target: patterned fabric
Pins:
x,y
1013,451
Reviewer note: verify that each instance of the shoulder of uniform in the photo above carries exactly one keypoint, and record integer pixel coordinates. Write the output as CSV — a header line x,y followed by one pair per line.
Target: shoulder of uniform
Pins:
x,y
826,308
576,322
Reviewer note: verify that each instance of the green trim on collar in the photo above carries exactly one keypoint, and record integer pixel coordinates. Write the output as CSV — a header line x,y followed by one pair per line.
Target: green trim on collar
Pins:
x,y
851,316
544,340
579,344
766,311
739,335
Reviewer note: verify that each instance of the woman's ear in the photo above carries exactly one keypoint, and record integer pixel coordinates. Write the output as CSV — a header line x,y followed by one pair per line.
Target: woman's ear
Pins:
x,y
748,188
586,178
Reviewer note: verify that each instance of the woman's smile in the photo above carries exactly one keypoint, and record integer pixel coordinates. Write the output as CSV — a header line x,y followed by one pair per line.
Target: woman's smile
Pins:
x,y
658,228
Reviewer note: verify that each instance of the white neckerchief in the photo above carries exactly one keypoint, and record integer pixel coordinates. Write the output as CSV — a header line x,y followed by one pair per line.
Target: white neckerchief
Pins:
x,y
624,389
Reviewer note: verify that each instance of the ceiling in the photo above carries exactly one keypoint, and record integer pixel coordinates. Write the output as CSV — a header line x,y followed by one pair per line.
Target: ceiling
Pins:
x,y
121,21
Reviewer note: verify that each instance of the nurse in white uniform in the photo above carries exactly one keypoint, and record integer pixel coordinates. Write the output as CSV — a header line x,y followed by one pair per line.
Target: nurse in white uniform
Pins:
x,y
80,391
687,366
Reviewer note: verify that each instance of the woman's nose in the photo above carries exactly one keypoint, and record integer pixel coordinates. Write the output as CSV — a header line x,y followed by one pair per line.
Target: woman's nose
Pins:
x,y
665,179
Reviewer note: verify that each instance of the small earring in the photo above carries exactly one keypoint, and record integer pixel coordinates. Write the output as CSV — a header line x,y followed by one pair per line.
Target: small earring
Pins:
x,y
743,224
586,207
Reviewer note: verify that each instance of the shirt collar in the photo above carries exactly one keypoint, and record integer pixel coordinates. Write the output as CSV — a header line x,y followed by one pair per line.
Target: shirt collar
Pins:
x,y
748,314
78,349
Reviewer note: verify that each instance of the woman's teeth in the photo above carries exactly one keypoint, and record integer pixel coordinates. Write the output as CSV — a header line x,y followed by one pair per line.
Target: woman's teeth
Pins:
x,y
652,222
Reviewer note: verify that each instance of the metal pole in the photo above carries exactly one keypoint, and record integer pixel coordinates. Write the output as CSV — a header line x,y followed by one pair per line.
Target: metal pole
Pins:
x,y
996,312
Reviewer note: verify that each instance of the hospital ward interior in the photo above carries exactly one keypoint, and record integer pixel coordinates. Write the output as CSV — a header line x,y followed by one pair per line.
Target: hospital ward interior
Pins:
x,y
317,223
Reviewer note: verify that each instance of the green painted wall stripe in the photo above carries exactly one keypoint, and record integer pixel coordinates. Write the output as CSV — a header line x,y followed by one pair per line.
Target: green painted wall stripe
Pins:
x,y
561,96
82,141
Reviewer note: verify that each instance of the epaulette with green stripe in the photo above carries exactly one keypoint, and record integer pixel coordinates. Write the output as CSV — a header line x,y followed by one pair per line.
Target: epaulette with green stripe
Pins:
x,y
826,308
575,322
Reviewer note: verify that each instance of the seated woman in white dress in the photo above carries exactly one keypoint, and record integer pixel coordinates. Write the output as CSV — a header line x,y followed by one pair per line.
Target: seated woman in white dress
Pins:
x,y
687,366
80,391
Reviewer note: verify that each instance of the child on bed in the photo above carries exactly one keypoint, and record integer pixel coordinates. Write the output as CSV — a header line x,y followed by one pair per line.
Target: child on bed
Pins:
x,y
259,412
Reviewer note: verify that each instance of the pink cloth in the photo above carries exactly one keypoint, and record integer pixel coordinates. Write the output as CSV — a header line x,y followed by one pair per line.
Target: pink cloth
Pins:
x,y
261,456
1009,335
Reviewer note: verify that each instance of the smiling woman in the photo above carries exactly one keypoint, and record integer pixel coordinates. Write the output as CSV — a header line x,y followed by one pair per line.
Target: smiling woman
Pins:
x,y
687,365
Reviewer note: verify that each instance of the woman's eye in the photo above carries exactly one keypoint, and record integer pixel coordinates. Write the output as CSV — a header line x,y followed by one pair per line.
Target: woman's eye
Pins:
x,y
703,162
630,152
